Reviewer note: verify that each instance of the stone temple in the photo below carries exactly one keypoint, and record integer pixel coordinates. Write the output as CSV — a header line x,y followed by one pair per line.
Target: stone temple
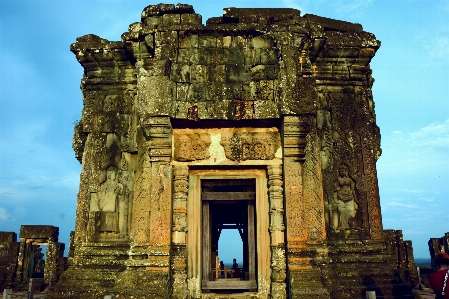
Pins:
x,y
261,121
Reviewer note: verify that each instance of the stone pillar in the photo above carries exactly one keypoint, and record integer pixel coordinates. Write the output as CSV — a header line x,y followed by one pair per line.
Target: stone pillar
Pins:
x,y
313,191
179,229
81,233
303,192
277,229
149,261
370,153
21,262
9,249
51,260
294,139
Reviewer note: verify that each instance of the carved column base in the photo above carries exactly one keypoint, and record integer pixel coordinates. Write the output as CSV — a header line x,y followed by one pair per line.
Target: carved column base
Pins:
x,y
278,290
179,272
307,284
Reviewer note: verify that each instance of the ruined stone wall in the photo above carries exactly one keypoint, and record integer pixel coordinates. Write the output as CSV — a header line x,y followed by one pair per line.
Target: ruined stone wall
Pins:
x,y
262,91
9,249
437,245
31,237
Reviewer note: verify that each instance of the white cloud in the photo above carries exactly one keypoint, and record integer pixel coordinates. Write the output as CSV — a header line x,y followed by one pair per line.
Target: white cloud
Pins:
x,y
353,6
435,135
400,204
343,9
426,199
436,45
419,191
3,215
424,152
295,5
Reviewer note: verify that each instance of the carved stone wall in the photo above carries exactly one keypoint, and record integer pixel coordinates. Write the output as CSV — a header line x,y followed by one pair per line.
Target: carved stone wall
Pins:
x,y
256,93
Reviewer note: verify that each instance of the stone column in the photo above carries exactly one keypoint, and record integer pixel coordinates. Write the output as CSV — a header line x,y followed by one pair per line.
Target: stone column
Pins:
x,y
371,152
179,229
313,191
151,229
294,138
304,204
277,229
21,261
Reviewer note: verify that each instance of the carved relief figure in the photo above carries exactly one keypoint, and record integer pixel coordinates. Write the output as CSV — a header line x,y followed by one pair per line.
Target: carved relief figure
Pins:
x,y
107,201
345,201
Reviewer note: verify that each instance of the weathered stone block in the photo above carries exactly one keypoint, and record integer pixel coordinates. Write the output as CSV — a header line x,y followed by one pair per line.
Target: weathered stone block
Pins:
x,y
198,73
182,91
39,232
237,73
171,19
191,19
206,41
188,56
267,72
180,73
267,56
152,96
266,109
197,92
152,21
216,110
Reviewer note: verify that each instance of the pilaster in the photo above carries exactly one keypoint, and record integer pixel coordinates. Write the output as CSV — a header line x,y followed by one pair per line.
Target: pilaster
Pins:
x,y
304,208
179,230
277,229
149,257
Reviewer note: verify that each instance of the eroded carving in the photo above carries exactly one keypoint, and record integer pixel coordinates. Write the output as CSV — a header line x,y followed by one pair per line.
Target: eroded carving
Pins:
x,y
241,146
191,147
345,203
107,202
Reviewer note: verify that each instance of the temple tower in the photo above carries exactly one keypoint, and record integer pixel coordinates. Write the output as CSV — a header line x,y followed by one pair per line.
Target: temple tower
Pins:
x,y
262,115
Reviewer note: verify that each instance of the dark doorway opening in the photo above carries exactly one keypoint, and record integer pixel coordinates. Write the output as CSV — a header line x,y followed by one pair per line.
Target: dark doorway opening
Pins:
x,y
228,205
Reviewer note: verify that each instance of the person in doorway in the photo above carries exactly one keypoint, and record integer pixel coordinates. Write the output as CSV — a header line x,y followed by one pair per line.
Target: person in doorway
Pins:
x,y
439,280
221,269
235,269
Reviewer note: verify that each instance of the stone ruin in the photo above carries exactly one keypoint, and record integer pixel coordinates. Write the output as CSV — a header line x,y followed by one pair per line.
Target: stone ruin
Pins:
x,y
263,121
9,250
20,261
437,245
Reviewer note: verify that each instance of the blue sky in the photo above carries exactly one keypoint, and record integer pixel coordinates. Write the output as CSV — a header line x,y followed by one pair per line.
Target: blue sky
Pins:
x,y
40,100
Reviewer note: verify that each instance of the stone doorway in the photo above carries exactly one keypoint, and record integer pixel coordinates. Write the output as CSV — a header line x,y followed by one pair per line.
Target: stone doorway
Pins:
x,y
37,253
40,254
212,195
228,204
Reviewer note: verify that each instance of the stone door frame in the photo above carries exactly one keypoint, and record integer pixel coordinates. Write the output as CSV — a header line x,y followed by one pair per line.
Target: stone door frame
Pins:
x,y
194,232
